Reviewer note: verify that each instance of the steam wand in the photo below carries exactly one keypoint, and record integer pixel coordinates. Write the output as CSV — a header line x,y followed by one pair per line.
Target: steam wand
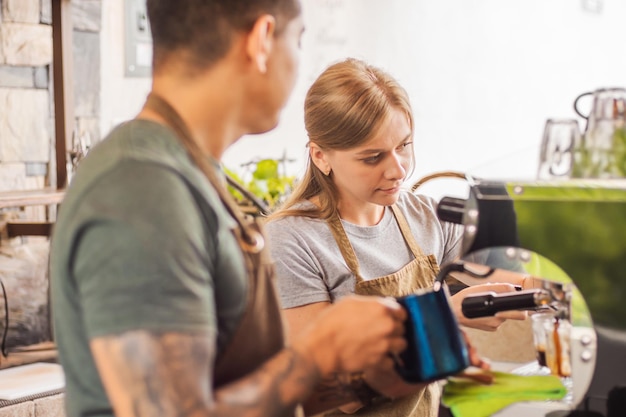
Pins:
x,y
458,266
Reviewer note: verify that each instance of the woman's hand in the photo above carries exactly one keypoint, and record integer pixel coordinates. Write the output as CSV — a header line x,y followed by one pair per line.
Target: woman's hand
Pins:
x,y
485,323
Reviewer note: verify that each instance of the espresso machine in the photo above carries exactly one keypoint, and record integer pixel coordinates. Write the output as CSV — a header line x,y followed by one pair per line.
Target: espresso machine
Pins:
x,y
578,228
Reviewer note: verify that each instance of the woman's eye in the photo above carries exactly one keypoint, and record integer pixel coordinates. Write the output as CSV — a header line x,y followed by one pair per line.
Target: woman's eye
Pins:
x,y
406,144
372,159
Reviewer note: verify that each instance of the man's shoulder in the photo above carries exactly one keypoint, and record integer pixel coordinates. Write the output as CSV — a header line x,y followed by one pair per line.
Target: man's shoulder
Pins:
x,y
144,140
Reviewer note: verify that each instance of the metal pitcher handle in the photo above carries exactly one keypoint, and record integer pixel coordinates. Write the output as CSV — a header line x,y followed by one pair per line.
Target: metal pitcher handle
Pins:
x,y
576,104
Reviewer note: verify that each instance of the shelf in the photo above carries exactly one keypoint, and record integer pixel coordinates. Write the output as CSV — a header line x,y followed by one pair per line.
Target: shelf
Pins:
x,y
43,197
41,352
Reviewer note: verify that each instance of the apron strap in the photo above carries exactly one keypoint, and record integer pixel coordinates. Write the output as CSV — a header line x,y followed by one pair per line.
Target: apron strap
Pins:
x,y
250,240
347,251
406,231
262,320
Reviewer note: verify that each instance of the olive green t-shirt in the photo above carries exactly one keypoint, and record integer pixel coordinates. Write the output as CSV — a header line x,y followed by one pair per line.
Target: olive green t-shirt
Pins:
x,y
142,242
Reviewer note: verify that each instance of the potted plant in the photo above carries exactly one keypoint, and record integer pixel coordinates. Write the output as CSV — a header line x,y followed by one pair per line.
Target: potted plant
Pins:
x,y
261,187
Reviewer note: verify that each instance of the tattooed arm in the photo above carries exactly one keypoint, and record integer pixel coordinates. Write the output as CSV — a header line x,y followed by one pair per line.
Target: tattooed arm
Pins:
x,y
168,374
149,374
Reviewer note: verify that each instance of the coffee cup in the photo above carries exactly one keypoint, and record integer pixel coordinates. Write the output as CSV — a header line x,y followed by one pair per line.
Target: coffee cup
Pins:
x,y
436,348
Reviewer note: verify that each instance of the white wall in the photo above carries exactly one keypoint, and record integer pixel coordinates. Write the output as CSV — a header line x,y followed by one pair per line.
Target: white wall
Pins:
x,y
121,97
483,75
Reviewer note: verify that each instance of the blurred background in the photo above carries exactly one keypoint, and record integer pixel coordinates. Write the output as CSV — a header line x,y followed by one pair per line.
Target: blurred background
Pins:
x,y
483,76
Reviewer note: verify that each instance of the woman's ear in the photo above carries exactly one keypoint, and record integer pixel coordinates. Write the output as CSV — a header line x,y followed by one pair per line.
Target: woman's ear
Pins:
x,y
260,41
319,158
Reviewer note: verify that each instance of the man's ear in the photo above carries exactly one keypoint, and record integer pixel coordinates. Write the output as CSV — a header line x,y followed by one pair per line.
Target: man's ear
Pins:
x,y
319,158
260,41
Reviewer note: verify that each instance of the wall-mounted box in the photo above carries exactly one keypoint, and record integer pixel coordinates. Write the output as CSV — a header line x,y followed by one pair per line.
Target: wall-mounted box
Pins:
x,y
138,39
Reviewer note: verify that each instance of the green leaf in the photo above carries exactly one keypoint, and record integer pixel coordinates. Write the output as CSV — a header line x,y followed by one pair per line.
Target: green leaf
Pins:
x,y
265,183
266,169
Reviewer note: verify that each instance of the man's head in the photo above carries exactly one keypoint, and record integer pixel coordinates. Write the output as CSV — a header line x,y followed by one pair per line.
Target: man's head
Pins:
x,y
238,58
201,31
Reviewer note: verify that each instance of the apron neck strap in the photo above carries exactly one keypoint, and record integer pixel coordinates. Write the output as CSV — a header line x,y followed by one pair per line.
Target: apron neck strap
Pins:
x,y
347,251
250,240
406,231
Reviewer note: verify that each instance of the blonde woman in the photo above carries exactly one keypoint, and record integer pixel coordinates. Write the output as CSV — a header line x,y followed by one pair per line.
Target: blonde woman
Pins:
x,y
349,227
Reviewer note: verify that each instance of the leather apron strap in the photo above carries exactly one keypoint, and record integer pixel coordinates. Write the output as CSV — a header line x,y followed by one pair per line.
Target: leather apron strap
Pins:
x,y
406,232
347,251
260,333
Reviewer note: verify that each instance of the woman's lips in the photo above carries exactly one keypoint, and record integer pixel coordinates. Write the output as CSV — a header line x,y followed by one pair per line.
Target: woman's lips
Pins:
x,y
391,190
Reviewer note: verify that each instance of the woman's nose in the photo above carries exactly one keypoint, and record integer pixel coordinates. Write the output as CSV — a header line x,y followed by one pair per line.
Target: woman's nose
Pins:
x,y
397,167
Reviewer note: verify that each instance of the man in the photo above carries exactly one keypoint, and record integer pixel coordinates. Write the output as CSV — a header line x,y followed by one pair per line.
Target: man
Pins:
x,y
161,296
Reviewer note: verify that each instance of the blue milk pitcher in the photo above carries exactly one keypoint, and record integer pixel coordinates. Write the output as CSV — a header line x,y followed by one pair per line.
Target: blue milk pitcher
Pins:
x,y
436,347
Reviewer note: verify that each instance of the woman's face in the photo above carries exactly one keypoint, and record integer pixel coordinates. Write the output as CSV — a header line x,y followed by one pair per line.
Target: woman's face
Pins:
x,y
371,174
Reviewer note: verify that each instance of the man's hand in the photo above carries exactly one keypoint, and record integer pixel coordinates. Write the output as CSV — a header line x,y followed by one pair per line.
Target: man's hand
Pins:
x,y
353,334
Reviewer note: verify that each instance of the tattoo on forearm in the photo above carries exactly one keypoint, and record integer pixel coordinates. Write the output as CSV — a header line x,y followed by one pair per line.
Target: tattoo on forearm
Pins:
x,y
336,388
269,388
150,362
170,375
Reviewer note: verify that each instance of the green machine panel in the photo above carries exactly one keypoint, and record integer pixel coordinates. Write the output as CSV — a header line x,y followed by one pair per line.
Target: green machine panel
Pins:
x,y
581,226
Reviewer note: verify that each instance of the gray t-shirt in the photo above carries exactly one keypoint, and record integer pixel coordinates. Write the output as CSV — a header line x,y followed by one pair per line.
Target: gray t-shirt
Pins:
x,y
142,241
310,267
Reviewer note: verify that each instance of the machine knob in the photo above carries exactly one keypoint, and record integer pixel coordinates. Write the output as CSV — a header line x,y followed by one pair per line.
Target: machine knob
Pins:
x,y
586,355
585,340
451,209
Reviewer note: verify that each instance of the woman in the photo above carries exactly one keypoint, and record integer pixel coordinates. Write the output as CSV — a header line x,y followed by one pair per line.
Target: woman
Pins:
x,y
349,227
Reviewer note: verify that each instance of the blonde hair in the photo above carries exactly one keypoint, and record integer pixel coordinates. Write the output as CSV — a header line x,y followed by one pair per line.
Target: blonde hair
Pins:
x,y
343,108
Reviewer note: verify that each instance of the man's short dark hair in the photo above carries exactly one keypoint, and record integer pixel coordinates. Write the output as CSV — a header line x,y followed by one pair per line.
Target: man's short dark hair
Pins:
x,y
203,29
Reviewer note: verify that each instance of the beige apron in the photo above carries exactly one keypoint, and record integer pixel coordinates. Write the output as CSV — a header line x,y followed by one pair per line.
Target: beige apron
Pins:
x,y
260,332
418,274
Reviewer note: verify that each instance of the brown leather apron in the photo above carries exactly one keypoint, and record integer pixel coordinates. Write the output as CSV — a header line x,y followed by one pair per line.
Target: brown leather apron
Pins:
x,y
418,274
260,333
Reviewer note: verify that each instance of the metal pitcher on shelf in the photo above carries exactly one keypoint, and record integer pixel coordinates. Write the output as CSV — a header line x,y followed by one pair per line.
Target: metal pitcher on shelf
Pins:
x,y
602,153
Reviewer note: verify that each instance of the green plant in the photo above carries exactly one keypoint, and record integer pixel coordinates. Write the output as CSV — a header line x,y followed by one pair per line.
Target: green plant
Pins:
x,y
262,180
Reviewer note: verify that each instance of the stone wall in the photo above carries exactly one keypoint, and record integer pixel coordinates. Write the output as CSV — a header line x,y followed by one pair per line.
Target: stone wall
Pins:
x,y
27,143
52,406
26,102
